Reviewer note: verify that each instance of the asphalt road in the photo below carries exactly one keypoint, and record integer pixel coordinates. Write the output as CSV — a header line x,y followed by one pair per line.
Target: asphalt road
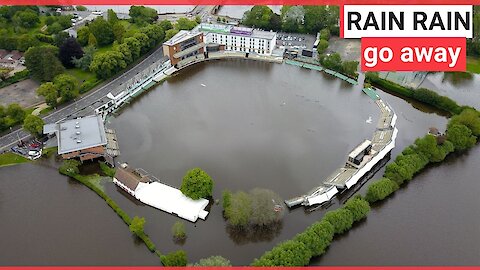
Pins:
x,y
85,105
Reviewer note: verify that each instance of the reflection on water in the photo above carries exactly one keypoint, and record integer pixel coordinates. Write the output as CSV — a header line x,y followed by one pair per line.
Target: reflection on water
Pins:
x,y
457,78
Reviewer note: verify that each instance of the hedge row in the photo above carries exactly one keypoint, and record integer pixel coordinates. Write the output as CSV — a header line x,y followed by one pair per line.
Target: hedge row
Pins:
x,y
315,240
18,76
423,95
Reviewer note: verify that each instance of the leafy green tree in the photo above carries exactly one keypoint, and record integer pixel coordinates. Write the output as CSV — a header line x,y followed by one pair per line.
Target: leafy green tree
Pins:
x,y
155,34
170,33
288,253
325,34
240,209
213,261
469,118
54,28
266,207
92,40
178,230
84,62
69,167
322,46
112,17
107,64
461,137
317,237
33,124
185,24
359,208
43,63
177,258
27,18
341,219
102,31
50,92
118,31
332,61
259,16
143,40
68,51
15,112
134,46
65,21
83,34
349,67
60,38
26,41
67,85
137,225
380,189
197,184
142,15
81,8
166,25
125,51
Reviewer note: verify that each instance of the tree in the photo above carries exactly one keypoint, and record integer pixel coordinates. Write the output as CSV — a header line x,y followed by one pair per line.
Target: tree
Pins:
x,y
15,112
43,63
317,237
240,209
84,62
134,46
461,137
69,50
81,8
469,118
341,219
350,67
142,15
325,34
83,34
359,208
178,230
213,261
380,189
137,225
185,24
288,253
107,64
125,51
166,25
177,258
170,33
50,92
33,124
27,18
60,38
332,61
258,16
118,31
322,46
102,31
24,42
266,207
197,184
112,17
54,28
67,85
143,40
92,40
69,167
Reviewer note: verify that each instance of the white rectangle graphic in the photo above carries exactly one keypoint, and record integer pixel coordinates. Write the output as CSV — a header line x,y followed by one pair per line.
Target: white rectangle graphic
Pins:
x,y
407,21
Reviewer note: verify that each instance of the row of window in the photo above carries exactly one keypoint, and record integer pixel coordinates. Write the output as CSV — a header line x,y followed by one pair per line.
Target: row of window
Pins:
x,y
225,39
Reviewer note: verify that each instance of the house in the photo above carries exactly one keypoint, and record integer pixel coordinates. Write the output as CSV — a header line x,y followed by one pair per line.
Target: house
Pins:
x,y
183,45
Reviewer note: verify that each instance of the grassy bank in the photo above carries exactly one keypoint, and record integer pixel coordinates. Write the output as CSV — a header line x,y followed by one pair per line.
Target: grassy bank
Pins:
x,y
10,158
473,65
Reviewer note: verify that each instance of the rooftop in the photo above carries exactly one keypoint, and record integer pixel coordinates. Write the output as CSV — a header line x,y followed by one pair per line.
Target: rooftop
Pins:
x,y
78,134
181,36
234,30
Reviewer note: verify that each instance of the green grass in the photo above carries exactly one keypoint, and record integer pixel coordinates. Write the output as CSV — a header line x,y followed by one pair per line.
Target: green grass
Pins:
x,y
107,170
93,179
104,49
48,152
10,158
81,75
473,65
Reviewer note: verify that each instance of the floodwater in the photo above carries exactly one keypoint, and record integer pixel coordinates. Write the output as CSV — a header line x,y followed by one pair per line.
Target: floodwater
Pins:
x,y
248,124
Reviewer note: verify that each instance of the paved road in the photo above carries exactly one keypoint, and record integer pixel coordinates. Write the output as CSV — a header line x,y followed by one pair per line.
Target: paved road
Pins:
x,y
86,104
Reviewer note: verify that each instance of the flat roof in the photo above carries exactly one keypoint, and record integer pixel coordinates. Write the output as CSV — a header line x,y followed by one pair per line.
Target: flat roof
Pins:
x,y
78,134
181,37
360,148
235,31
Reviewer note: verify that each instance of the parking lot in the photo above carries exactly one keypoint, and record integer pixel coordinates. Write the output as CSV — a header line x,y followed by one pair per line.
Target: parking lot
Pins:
x,y
295,41
30,150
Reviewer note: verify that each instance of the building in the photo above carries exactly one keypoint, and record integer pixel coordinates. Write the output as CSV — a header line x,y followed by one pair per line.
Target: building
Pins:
x,y
239,39
183,45
149,190
84,138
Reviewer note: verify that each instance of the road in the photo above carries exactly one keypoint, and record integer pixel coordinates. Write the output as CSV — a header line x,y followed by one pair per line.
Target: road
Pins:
x,y
86,104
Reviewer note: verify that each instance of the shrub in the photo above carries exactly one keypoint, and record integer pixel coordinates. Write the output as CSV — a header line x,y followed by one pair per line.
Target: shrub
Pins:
x,y
317,237
178,230
288,253
380,189
461,137
341,219
359,207
177,258
107,170
213,261
468,117
226,199
197,184
69,167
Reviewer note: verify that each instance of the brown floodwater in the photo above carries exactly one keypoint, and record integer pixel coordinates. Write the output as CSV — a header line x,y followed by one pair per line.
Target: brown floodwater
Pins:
x,y
248,124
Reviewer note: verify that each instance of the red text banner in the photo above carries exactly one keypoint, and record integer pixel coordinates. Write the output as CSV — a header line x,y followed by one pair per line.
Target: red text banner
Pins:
x,y
413,54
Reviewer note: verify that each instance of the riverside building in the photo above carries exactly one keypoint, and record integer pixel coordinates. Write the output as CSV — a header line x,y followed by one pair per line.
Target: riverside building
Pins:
x,y
183,45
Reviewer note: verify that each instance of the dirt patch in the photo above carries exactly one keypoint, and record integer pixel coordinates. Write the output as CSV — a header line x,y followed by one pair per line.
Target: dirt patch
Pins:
x,y
23,93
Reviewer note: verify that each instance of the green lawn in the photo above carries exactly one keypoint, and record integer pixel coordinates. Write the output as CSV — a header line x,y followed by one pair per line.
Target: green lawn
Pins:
x,y
81,75
11,159
473,65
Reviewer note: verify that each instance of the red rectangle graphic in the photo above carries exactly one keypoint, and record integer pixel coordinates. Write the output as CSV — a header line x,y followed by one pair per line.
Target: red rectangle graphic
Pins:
x,y
413,54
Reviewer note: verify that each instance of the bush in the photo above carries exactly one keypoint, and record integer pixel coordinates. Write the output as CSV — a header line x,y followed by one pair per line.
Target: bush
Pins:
x,y
107,170
288,253
380,189
178,230
468,117
213,261
341,219
461,137
197,184
177,258
226,199
359,208
317,237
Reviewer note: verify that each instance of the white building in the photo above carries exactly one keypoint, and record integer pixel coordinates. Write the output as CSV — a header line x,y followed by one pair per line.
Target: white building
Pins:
x,y
239,39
